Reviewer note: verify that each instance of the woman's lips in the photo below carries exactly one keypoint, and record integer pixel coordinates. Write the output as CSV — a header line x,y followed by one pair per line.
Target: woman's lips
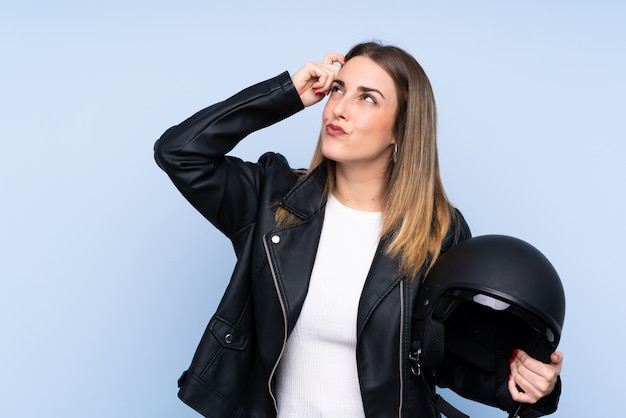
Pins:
x,y
334,130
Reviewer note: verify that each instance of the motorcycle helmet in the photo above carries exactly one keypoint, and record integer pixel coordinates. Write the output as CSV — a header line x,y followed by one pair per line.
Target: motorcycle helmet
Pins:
x,y
486,297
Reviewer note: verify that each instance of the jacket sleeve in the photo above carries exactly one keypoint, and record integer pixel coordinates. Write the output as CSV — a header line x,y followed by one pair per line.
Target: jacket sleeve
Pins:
x,y
225,189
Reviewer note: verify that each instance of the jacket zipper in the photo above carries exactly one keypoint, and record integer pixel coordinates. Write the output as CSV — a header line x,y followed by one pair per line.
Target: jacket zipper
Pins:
x,y
401,345
282,307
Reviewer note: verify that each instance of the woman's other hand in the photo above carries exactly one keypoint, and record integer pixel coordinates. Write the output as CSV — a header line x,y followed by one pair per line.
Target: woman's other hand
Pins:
x,y
314,79
535,378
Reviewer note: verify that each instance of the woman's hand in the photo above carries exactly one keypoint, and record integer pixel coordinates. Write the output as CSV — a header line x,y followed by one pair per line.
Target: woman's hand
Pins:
x,y
313,81
534,378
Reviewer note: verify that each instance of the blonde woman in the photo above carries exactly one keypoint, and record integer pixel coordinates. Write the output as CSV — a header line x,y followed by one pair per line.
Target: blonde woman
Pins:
x,y
316,321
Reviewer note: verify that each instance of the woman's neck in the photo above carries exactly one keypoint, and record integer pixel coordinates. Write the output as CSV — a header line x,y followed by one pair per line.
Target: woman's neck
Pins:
x,y
362,190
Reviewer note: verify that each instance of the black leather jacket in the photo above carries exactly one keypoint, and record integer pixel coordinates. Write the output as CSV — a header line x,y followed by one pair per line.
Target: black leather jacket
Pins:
x,y
232,373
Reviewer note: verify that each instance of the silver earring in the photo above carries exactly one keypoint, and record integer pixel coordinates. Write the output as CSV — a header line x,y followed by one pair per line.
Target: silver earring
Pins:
x,y
395,152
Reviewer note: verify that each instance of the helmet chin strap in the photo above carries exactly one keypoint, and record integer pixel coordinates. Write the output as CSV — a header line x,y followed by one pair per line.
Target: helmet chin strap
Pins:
x,y
445,408
517,411
438,402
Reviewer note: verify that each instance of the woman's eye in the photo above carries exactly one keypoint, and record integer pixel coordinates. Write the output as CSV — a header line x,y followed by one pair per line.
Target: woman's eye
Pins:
x,y
335,89
369,99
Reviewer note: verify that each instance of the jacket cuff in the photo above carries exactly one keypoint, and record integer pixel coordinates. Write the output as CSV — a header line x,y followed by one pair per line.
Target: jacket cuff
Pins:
x,y
544,406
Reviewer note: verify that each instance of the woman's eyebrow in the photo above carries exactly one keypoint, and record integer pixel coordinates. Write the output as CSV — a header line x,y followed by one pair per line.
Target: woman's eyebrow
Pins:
x,y
362,89
369,89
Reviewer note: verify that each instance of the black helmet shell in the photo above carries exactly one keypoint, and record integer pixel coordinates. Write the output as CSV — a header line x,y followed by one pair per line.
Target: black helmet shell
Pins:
x,y
504,269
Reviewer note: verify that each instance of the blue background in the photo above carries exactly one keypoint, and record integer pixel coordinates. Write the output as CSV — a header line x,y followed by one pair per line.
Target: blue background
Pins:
x,y
108,276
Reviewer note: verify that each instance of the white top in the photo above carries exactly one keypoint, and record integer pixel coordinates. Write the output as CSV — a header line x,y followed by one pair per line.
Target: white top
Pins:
x,y
317,375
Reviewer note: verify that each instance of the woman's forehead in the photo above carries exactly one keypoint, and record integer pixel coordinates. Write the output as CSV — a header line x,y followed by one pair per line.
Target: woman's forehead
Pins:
x,y
362,71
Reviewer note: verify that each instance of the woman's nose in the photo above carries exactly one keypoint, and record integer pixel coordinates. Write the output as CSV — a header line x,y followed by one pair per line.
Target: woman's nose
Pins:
x,y
340,109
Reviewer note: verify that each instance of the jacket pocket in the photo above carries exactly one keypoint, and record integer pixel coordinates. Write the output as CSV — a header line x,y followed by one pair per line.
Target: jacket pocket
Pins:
x,y
219,376
228,335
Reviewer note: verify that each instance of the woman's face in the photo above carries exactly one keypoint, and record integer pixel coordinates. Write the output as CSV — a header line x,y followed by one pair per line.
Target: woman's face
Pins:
x,y
358,120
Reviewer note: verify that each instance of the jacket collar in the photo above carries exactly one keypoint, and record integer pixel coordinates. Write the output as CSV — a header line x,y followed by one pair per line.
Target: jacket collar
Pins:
x,y
308,195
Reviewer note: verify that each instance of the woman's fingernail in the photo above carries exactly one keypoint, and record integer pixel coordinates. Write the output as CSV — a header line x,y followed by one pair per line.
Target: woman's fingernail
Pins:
x,y
511,360
510,377
317,93
515,353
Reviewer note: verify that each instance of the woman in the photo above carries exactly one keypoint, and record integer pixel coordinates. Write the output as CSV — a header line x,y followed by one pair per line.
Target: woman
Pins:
x,y
316,319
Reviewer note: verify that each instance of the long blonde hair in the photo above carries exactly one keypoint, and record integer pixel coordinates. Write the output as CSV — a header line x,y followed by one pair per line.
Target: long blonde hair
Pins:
x,y
417,213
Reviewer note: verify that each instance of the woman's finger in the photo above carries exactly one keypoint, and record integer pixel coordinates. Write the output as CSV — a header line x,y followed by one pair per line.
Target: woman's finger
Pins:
x,y
521,391
532,379
334,58
314,79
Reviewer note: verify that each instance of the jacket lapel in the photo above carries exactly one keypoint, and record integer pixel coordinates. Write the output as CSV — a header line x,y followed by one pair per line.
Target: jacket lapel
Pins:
x,y
381,279
292,250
